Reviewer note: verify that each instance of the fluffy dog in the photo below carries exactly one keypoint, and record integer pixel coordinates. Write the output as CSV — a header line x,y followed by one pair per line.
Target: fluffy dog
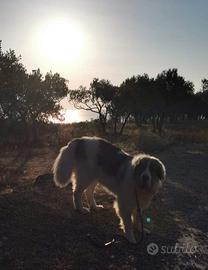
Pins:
x,y
134,180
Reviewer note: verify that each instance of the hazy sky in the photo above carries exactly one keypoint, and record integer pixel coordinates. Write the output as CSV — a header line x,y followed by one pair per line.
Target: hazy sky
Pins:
x,y
120,38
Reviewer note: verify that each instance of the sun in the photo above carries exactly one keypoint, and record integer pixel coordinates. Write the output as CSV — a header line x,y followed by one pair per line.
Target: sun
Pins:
x,y
69,116
60,41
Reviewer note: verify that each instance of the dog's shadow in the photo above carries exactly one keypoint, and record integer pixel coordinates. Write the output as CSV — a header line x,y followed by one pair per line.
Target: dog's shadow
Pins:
x,y
42,231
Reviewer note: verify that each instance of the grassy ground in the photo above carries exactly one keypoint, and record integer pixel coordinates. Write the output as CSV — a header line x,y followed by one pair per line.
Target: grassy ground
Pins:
x,y
40,230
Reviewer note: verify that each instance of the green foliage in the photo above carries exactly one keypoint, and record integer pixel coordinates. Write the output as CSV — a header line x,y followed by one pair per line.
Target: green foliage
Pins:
x,y
173,87
96,99
31,98
44,94
139,91
28,97
144,98
12,84
204,85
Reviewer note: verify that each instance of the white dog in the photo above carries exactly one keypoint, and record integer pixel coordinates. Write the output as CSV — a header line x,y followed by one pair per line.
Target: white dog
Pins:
x,y
133,179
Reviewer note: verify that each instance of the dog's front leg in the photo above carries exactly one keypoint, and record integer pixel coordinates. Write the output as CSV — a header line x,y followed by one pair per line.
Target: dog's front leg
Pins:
x,y
137,222
128,227
127,224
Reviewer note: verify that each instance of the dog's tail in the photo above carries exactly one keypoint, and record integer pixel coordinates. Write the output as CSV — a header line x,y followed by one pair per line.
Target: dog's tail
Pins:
x,y
64,165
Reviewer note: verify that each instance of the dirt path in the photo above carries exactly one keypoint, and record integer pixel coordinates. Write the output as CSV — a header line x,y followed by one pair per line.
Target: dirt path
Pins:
x,y
185,196
41,230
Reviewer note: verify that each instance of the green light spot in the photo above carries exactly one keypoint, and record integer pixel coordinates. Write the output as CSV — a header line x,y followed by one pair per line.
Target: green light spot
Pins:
x,y
148,219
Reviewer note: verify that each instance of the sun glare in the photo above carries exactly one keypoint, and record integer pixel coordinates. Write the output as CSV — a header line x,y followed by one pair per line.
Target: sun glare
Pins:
x,y
60,41
69,116
72,116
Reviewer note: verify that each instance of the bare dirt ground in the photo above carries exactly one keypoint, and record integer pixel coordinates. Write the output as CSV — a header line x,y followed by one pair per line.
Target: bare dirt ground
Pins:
x,y
40,230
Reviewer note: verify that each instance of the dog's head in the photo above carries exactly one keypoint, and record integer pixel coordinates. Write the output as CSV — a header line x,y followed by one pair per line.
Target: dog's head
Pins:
x,y
149,173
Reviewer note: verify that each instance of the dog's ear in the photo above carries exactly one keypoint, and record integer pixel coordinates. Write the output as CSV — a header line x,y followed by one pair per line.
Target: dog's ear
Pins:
x,y
158,169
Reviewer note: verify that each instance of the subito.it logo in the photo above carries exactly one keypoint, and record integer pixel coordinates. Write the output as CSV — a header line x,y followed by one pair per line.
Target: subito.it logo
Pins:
x,y
152,249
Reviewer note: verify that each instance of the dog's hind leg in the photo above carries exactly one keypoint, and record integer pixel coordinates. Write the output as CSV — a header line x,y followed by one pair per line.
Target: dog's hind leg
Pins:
x,y
90,197
77,199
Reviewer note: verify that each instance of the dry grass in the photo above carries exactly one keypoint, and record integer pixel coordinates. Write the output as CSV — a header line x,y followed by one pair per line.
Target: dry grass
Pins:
x,y
187,136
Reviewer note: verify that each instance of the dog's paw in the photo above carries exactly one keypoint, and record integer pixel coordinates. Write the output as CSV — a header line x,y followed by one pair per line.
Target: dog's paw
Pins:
x,y
83,210
131,238
97,207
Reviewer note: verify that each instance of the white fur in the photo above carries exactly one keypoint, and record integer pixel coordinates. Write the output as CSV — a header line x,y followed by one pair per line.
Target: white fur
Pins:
x,y
64,165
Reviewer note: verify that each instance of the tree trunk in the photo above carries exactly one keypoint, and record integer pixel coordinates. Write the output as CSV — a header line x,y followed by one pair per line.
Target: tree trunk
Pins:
x,y
102,122
160,123
123,125
153,124
115,126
